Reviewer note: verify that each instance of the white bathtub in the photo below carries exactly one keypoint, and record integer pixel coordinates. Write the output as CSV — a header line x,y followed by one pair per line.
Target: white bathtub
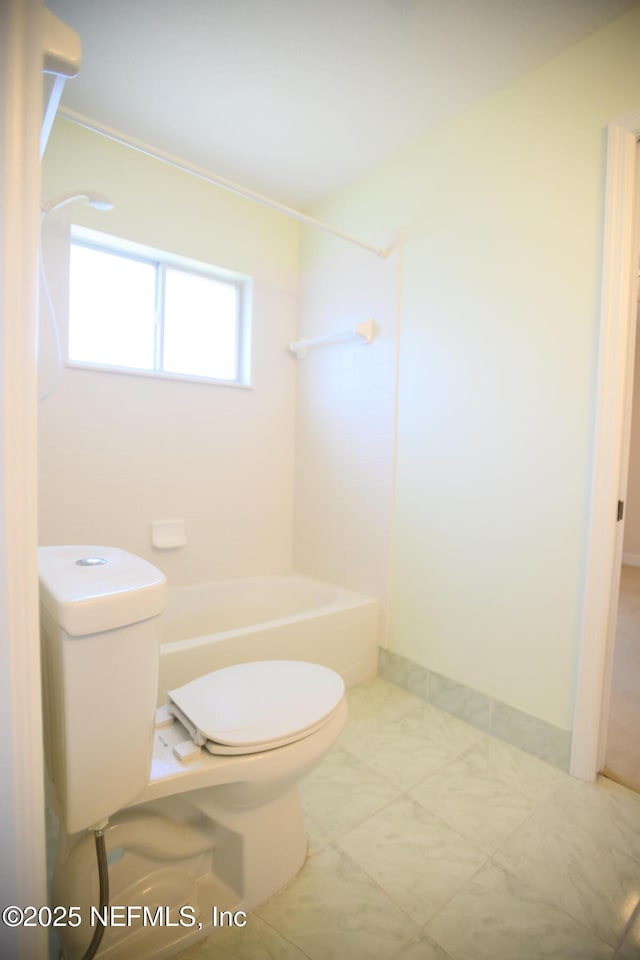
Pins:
x,y
217,624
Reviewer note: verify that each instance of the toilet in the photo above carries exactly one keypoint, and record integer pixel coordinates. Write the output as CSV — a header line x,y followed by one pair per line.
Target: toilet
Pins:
x,y
198,799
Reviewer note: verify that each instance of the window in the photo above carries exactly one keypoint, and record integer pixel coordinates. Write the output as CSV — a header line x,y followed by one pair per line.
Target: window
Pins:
x,y
140,310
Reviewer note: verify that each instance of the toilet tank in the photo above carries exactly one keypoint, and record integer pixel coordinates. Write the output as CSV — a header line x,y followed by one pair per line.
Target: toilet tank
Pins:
x,y
99,626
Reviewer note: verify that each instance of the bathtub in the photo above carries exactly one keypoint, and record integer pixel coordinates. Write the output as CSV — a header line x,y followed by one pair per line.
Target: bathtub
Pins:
x,y
286,617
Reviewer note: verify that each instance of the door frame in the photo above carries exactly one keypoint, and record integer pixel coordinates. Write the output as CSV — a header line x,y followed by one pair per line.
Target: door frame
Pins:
x,y
611,443
22,834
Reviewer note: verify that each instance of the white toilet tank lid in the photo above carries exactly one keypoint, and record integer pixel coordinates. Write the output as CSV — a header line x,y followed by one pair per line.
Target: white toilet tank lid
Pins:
x,y
254,704
90,589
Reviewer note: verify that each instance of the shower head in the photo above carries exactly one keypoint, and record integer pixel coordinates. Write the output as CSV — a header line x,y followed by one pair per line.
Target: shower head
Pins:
x,y
96,200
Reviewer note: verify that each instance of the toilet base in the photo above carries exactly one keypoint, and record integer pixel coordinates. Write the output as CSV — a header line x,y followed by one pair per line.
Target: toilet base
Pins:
x,y
179,857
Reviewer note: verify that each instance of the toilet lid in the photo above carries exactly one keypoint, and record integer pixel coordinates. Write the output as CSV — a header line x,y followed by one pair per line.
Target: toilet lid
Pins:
x,y
257,705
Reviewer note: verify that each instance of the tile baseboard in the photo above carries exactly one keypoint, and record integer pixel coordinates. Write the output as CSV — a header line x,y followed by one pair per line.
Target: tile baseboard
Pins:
x,y
528,733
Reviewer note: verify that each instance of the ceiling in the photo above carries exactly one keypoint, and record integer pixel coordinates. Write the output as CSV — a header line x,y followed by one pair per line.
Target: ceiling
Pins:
x,y
296,98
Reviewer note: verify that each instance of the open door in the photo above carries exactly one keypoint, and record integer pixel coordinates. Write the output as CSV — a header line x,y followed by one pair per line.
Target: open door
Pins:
x,y
621,756
611,446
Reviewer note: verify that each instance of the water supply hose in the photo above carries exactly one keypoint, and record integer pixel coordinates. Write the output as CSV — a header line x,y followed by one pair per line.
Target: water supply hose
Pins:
x,y
103,879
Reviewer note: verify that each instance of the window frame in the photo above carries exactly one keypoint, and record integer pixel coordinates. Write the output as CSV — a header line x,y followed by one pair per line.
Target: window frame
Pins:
x,y
162,261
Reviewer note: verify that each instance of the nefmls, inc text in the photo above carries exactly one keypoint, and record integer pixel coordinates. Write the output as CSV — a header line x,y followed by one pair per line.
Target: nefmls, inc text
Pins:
x,y
128,915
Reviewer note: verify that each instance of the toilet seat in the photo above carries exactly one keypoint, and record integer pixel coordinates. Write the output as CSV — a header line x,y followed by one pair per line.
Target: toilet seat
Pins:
x,y
256,706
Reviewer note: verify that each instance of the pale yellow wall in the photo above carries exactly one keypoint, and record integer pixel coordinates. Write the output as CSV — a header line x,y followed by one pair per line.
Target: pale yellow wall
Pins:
x,y
502,217
117,452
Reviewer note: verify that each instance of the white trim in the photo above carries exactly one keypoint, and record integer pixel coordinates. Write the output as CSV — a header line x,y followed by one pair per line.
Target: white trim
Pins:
x,y
617,328
23,875
142,251
156,375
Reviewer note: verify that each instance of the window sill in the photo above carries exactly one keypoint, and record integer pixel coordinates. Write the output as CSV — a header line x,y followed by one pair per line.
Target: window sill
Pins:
x,y
156,375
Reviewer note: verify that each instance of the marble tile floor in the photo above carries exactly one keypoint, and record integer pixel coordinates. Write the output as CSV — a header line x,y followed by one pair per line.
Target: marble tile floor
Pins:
x,y
429,840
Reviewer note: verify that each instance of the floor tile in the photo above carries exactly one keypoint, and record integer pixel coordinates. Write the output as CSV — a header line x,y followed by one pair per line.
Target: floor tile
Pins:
x,y
373,704
430,840
629,946
408,748
471,795
334,911
498,917
415,857
422,948
515,768
341,792
604,809
573,851
255,941
317,836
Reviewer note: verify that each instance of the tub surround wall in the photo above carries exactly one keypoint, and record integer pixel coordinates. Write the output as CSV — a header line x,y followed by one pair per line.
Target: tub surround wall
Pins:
x,y
117,451
346,415
501,211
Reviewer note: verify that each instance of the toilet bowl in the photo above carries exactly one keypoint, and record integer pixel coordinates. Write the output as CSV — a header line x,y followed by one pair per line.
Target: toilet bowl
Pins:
x,y
200,797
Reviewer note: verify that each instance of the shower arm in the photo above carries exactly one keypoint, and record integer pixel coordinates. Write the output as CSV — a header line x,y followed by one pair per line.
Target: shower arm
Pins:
x,y
96,200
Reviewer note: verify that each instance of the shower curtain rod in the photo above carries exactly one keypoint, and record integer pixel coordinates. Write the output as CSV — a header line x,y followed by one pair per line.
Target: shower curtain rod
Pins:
x,y
210,177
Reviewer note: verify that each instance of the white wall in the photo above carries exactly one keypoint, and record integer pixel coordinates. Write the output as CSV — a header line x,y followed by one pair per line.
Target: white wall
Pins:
x,y
117,452
502,216
346,416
